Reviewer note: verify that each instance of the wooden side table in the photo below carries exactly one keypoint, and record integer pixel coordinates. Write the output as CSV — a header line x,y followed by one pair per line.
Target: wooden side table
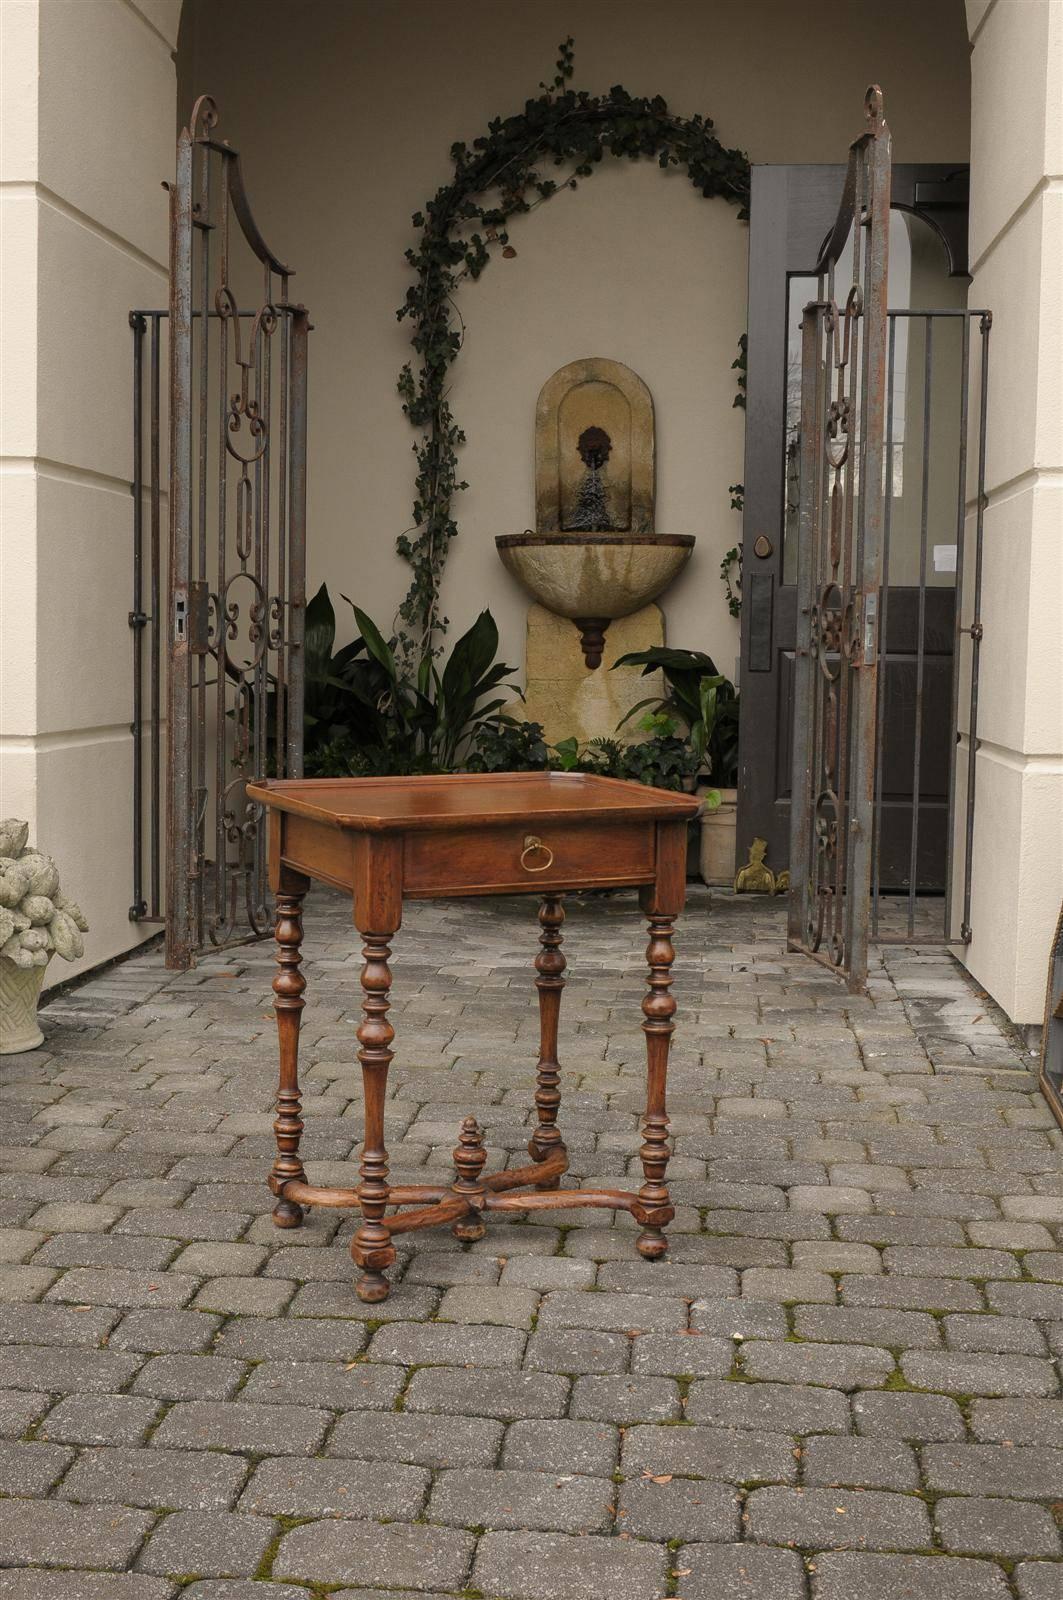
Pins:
x,y
385,839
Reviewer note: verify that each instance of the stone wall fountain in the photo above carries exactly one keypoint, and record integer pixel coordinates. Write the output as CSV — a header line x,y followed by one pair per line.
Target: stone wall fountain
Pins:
x,y
595,558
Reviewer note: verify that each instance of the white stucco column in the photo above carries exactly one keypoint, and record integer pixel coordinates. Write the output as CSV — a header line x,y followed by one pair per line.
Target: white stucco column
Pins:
x,y
1016,255
87,116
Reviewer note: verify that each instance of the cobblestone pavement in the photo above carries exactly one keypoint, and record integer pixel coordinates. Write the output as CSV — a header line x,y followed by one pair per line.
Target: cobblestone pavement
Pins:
x,y
843,1384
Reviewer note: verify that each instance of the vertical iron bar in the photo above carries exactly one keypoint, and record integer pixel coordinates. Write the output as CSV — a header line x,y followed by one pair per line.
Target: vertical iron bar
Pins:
x,y
158,622
179,772
957,627
869,579
880,724
199,779
297,541
136,322
920,639
281,620
799,911
221,676
976,625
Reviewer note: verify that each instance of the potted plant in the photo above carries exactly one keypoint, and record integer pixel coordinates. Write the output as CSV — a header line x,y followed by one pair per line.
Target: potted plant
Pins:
x,y
36,922
707,702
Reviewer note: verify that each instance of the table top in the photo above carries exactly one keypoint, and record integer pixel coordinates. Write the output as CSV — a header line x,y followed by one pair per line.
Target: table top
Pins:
x,y
385,805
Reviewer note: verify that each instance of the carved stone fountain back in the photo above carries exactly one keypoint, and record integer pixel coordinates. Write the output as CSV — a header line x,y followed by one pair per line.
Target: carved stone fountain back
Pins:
x,y
595,557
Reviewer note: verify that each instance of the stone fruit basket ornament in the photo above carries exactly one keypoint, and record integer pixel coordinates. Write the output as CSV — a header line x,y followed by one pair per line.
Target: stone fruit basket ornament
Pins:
x,y
36,922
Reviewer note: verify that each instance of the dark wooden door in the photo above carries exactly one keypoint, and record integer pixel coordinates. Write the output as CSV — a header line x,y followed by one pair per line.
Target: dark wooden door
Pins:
x,y
792,210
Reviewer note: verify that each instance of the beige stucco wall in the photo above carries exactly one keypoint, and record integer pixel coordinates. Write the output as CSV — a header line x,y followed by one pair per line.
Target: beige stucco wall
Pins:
x,y
1016,250
345,129
86,139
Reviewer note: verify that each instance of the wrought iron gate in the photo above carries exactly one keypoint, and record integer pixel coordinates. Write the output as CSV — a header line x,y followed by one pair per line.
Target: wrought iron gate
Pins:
x,y
221,645
843,384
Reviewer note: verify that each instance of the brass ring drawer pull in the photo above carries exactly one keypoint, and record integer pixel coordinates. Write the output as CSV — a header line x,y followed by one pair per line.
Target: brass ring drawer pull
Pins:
x,y
531,845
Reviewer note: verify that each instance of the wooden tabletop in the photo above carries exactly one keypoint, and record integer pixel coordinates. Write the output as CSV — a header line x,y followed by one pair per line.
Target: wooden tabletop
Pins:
x,y
383,805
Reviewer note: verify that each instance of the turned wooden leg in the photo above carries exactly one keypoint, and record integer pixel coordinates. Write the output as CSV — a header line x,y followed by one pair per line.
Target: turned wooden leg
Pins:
x,y
658,1008
469,1158
550,966
371,1246
288,987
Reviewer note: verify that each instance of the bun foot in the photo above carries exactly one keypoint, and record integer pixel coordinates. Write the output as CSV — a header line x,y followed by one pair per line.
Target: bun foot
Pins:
x,y
372,1287
469,1229
651,1244
286,1214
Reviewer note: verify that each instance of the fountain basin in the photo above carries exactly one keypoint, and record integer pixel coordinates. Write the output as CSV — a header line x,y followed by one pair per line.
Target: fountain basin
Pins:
x,y
600,575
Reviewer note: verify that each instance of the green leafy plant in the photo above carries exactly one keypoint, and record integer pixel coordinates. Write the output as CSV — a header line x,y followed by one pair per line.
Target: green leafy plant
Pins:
x,y
508,745
558,139
364,716
665,761
701,698
731,571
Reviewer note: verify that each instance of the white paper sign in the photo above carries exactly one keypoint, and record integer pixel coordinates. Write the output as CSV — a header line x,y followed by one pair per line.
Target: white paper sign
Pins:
x,y
944,558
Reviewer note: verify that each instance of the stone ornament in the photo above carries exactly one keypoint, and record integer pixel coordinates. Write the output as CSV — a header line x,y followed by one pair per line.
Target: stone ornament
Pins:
x,y
36,922
595,555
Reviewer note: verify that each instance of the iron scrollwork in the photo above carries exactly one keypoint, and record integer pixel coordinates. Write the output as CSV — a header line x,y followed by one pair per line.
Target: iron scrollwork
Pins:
x,y
839,566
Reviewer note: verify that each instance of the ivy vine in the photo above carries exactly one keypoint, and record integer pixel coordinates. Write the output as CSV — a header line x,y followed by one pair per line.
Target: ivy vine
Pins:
x,y
558,139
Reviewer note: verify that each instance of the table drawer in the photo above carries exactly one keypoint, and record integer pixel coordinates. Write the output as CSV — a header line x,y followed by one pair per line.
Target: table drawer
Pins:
x,y
460,861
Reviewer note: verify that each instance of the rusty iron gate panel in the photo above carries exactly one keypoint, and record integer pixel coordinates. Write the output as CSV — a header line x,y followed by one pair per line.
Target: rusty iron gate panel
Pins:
x,y
218,634
843,386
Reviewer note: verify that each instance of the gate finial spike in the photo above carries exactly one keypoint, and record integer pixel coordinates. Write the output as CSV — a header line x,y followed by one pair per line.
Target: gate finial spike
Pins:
x,y
874,106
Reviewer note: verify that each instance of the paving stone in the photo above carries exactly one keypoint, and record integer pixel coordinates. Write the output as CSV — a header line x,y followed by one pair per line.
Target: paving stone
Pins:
x,y
189,1377
917,1417
832,1255
1010,1235
969,1263
1040,1300
292,1487
769,1407
1002,1335
213,1544
165,1332
830,1199
682,1509
114,1286
32,1469
499,1498
959,1373
47,1533
427,1441
62,1371
233,1425
625,1399
209,1260
848,1576
971,1526
837,1519
502,1305
190,1223
683,1279
989,1469
30,1584
550,1566
893,1330
623,1313
575,1350
439,1344
19,1283
88,1325
843,1366
690,1354
343,1387
749,1319
562,1447
768,1283
1018,1421
510,1395
732,1455
180,1479
862,1463
740,1572
245,1297
19,1410
912,1294
1039,1580
105,1250
101,1419
375,1554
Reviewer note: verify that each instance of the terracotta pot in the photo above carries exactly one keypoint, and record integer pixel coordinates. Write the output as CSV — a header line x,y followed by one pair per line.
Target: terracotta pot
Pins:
x,y
718,834
20,989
